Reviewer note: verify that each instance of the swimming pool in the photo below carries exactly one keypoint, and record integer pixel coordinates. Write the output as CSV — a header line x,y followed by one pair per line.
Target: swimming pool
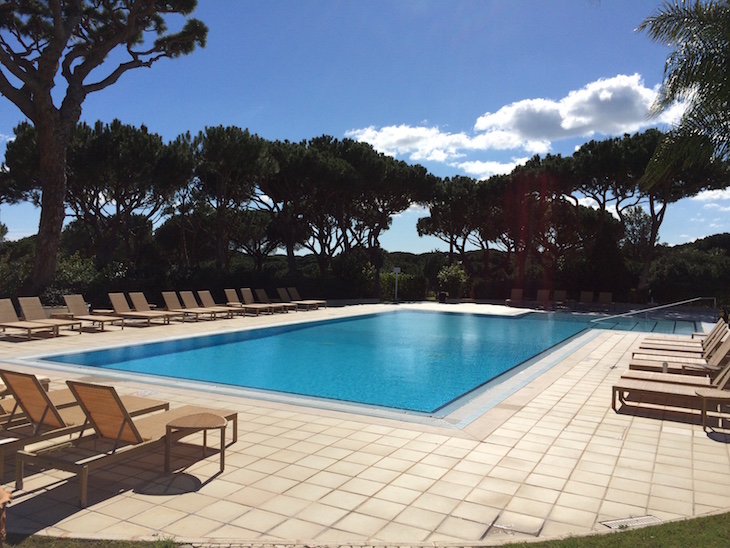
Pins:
x,y
409,360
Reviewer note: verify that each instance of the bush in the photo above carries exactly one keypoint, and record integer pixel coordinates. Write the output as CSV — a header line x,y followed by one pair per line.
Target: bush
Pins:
x,y
410,287
452,279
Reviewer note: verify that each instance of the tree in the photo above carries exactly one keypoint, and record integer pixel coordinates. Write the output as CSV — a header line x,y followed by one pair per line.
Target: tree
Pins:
x,y
696,73
229,162
40,39
118,178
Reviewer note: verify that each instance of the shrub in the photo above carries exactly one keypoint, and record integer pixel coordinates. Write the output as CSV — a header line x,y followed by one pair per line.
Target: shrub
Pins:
x,y
452,279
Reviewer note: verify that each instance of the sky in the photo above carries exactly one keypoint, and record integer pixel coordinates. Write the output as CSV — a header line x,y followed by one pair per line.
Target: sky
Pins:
x,y
461,87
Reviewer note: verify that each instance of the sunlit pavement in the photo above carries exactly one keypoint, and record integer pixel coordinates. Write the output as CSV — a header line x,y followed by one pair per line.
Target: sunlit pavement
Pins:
x,y
544,459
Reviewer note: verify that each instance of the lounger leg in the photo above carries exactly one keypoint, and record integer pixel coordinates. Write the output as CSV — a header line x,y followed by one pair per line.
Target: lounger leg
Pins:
x,y
83,486
168,447
19,464
223,447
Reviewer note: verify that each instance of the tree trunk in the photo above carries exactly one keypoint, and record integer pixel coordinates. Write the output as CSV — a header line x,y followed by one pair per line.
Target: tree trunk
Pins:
x,y
52,148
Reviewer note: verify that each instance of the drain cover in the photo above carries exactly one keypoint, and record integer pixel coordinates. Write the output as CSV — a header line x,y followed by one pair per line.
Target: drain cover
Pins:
x,y
631,522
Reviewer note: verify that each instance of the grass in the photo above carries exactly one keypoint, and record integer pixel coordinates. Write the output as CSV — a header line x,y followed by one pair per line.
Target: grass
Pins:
x,y
707,532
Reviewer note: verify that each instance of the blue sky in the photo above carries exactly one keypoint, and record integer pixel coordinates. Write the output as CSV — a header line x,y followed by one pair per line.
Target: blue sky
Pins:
x,y
461,87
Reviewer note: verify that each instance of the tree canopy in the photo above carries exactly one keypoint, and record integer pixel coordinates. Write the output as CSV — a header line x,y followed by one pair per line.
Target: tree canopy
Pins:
x,y
695,73
43,39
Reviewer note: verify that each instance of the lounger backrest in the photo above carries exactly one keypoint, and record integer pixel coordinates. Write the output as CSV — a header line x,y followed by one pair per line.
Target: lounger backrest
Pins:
x,y
721,354
294,294
7,311
171,300
516,295
262,296
722,378
283,295
139,302
247,295
32,398
232,296
206,299
105,411
605,297
714,338
76,305
32,308
119,303
560,295
543,295
188,299
586,296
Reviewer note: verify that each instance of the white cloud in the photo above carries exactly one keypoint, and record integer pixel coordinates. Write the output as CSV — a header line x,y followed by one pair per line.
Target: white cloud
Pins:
x,y
713,195
483,170
610,106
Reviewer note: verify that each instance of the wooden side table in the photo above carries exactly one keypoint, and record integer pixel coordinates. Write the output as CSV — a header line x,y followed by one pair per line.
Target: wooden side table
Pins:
x,y
712,395
182,426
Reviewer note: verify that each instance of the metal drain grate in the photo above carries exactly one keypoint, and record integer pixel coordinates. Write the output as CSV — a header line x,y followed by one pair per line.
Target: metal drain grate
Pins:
x,y
631,522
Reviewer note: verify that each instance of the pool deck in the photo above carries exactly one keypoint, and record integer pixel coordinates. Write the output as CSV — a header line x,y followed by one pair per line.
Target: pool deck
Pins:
x,y
545,458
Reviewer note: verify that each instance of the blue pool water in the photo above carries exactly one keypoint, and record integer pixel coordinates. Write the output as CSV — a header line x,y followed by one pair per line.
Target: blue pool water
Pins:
x,y
418,361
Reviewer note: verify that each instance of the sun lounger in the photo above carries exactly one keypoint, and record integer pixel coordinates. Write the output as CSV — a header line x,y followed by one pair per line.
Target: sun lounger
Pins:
x,y
255,308
543,298
650,393
121,308
262,296
117,436
207,300
605,300
33,312
655,362
9,320
294,294
560,297
705,345
190,302
45,418
173,304
77,308
692,377
515,297
671,378
585,300
139,301
248,299
304,305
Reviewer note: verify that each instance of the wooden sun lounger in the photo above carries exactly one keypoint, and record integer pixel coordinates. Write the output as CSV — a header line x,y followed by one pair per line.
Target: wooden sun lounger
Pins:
x,y
207,300
249,300
173,304
33,312
77,308
706,346
671,378
117,436
45,419
190,302
651,362
9,320
121,308
139,301
232,300
262,296
304,305
651,393
294,294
